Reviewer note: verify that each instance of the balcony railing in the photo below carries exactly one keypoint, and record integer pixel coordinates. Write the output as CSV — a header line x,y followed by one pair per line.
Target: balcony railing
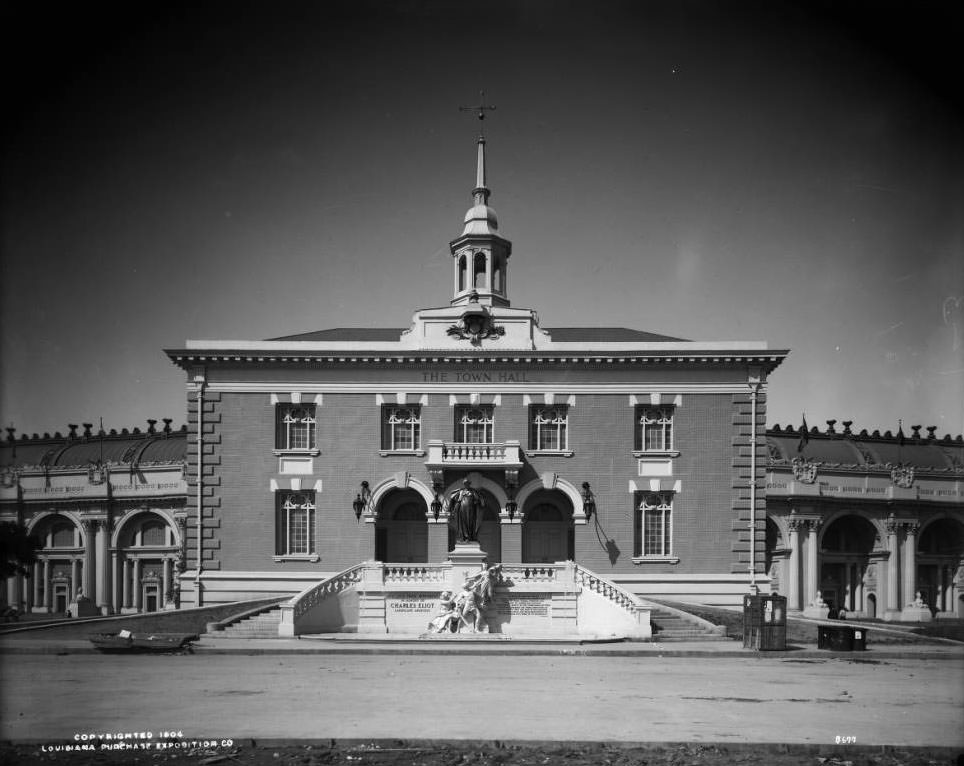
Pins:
x,y
462,454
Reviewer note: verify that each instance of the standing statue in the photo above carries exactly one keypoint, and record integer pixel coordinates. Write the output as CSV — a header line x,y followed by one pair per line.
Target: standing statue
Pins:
x,y
466,506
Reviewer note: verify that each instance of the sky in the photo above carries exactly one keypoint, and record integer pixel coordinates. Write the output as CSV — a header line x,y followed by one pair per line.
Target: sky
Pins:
x,y
781,171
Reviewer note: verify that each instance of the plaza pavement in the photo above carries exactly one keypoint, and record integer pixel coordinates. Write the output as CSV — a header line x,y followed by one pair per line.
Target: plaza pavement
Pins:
x,y
348,689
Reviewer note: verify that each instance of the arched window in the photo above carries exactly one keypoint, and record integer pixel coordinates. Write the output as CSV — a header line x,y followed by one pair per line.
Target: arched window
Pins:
x,y
497,276
479,270
62,535
153,533
463,268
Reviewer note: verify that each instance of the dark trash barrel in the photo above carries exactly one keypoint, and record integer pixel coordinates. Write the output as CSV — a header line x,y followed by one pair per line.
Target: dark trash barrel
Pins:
x,y
765,622
860,639
837,638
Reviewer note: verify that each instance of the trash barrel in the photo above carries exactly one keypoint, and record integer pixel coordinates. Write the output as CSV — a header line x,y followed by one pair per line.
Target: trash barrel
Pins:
x,y
765,622
837,638
860,639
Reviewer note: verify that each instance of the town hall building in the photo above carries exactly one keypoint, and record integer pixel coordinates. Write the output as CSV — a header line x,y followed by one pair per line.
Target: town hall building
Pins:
x,y
636,455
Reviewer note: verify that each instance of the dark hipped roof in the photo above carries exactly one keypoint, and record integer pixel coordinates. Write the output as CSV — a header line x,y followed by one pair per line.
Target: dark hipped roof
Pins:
x,y
125,447
560,334
865,450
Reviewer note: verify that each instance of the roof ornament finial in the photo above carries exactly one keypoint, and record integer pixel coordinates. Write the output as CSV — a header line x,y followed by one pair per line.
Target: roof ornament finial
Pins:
x,y
481,192
480,107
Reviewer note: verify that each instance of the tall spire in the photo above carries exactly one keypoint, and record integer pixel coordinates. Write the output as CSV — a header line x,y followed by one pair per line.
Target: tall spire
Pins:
x,y
481,254
481,192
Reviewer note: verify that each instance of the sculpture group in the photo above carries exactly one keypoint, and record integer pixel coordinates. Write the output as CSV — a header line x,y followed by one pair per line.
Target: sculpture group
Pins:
x,y
464,611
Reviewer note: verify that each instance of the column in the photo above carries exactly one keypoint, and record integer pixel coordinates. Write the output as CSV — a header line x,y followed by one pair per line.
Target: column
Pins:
x,y
813,573
165,580
26,593
847,600
102,573
793,578
127,584
115,578
893,599
438,540
38,573
90,530
48,596
74,578
512,539
13,597
910,563
859,589
136,584
815,606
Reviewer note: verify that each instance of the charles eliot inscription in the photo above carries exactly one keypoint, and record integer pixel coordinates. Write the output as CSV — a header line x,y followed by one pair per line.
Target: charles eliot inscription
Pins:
x,y
522,605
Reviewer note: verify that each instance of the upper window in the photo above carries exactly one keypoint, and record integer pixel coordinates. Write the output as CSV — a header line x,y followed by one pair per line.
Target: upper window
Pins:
x,y
654,429
296,427
474,424
549,428
654,528
401,428
295,528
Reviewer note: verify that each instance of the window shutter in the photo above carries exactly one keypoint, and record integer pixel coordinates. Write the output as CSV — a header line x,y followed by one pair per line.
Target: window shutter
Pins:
x,y
386,428
280,442
637,527
533,428
279,524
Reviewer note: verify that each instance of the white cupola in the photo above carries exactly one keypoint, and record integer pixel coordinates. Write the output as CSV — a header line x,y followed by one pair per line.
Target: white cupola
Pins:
x,y
480,255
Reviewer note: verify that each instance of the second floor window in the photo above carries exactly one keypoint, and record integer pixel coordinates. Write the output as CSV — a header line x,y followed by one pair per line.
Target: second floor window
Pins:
x,y
654,429
296,427
549,429
401,428
474,425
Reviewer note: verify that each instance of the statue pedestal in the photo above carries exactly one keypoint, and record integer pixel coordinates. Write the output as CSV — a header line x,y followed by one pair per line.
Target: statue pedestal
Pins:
x,y
468,559
83,607
817,611
911,613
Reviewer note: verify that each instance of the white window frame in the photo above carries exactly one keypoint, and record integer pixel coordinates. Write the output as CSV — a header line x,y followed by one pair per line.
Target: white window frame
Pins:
x,y
659,419
559,424
486,420
310,519
309,419
397,425
651,504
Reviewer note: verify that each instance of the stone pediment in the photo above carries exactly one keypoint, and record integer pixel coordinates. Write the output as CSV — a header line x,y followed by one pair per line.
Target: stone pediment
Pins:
x,y
474,327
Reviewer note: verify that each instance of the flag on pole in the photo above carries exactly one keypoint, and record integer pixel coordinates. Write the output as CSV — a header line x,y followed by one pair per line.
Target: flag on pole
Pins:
x,y
804,435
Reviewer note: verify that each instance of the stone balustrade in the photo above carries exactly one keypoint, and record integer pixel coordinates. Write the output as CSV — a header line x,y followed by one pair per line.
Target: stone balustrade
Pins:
x,y
415,573
497,454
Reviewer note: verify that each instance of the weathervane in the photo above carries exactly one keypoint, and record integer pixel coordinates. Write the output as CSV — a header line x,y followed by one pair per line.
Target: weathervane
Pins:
x,y
481,107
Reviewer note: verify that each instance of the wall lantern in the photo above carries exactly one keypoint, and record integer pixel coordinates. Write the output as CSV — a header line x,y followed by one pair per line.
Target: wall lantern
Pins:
x,y
588,501
436,506
361,500
511,506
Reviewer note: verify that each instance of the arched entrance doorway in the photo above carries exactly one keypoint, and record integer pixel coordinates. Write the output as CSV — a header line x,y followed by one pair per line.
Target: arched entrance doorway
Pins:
x,y
147,555
401,529
845,554
57,576
547,529
490,531
940,554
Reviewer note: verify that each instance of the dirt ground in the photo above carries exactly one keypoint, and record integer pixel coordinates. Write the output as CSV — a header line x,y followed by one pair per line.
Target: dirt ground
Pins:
x,y
490,754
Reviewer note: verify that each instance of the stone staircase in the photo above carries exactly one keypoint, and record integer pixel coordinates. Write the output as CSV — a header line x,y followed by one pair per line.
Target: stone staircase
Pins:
x,y
674,625
262,625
